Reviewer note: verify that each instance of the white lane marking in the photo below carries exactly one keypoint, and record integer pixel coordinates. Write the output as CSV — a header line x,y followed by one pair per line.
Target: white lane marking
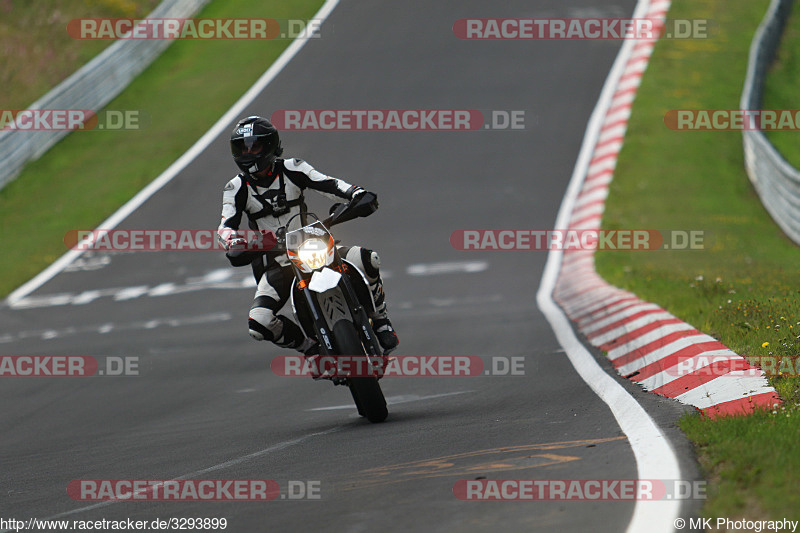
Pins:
x,y
162,290
655,458
221,279
128,293
221,466
86,297
394,400
120,294
191,154
171,322
452,267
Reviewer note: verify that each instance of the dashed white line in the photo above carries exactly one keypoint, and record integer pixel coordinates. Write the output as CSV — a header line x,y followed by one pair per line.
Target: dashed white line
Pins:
x,y
172,322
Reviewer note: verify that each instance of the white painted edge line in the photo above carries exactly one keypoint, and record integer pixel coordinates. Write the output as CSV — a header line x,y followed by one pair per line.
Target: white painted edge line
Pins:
x,y
655,457
165,177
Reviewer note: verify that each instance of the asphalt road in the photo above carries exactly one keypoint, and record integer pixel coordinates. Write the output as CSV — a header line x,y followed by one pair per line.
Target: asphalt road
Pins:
x,y
206,404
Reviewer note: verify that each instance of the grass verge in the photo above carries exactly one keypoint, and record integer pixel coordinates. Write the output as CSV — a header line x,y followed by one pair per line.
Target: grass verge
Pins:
x,y
37,51
88,175
742,288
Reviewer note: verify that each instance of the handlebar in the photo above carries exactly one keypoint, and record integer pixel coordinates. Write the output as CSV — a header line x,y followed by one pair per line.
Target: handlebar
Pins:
x,y
362,206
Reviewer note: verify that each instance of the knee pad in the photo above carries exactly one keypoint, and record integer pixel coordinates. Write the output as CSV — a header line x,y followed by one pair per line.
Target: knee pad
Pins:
x,y
372,263
263,324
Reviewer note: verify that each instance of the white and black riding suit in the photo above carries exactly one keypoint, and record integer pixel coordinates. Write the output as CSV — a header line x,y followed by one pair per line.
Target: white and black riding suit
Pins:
x,y
259,199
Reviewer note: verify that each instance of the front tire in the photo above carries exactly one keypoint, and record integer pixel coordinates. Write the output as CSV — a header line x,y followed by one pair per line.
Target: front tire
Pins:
x,y
366,391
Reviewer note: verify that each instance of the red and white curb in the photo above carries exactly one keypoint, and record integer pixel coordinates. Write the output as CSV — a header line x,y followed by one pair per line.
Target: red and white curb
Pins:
x,y
644,342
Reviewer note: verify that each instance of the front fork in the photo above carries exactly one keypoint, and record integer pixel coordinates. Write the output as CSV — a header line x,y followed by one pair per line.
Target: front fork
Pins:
x,y
357,311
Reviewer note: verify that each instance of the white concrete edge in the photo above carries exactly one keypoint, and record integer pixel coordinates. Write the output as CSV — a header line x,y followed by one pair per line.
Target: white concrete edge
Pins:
x,y
655,457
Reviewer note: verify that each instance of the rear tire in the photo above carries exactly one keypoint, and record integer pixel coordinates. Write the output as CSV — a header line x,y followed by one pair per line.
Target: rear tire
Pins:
x,y
366,391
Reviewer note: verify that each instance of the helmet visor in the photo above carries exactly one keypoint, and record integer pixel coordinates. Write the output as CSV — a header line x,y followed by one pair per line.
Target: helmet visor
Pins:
x,y
250,145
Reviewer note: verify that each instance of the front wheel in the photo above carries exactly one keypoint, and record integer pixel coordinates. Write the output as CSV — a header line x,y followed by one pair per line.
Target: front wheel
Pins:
x,y
366,391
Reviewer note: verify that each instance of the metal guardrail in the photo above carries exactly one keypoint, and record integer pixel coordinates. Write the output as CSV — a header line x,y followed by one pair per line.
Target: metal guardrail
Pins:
x,y
774,179
90,87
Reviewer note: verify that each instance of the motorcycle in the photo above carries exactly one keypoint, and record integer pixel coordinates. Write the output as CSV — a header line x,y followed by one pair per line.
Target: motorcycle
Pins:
x,y
332,303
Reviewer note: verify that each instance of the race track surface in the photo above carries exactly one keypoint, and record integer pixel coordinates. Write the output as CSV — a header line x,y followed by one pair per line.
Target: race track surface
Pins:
x,y
207,405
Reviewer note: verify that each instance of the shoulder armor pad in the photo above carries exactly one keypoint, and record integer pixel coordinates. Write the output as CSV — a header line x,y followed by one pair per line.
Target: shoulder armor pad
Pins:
x,y
298,165
234,183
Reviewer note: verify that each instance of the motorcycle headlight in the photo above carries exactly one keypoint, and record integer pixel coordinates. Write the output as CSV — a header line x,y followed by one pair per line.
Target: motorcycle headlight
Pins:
x,y
313,253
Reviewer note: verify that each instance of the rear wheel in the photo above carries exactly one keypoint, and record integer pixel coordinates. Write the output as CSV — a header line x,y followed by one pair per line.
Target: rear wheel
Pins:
x,y
366,391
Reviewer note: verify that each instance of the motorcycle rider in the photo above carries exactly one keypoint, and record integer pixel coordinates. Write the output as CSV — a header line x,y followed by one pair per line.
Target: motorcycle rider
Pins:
x,y
269,189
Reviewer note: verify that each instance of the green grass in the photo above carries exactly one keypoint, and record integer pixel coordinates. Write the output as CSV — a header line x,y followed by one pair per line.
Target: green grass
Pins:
x,y
88,175
743,287
37,51
780,91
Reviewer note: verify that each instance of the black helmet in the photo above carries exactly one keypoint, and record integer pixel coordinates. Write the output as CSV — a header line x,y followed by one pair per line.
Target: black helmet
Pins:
x,y
255,144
